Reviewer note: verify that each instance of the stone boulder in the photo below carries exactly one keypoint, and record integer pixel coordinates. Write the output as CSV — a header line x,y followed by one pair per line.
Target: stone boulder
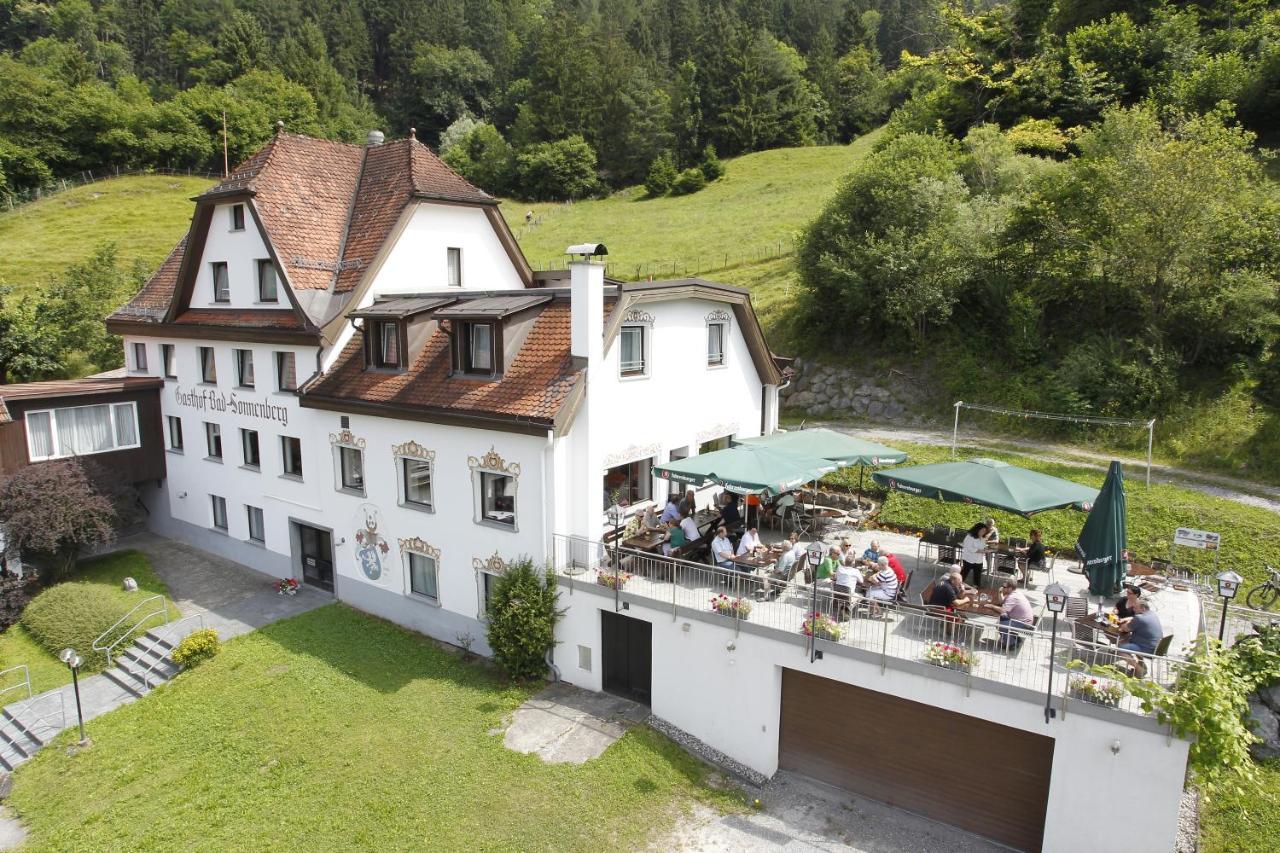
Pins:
x,y
1265,724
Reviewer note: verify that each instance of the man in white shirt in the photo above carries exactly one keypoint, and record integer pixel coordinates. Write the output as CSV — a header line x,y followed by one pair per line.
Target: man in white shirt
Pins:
x,y
883,585
722,549
750,542
690,528
844,583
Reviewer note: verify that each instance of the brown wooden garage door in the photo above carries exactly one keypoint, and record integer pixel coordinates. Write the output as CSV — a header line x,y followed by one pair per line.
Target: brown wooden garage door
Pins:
x,y
990,779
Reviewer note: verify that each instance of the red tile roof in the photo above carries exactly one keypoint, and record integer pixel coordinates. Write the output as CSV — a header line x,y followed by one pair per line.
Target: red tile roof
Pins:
x,y
248,318
533,387
327,208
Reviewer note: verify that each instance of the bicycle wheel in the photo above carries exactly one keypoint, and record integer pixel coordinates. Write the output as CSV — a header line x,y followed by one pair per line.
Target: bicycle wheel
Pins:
x,y
1262,597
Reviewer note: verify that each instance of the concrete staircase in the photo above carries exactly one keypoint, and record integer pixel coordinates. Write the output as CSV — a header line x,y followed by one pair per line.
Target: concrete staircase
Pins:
x,y
144,666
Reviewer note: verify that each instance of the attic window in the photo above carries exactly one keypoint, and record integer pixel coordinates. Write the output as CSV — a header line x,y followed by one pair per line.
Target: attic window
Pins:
x,y
455,267
385,344
237,217
475,352
221,282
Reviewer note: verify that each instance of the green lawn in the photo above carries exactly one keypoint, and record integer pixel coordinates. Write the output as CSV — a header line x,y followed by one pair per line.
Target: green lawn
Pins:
x,y
19,647
336,730
145,215
749,214
1250,535
1245,821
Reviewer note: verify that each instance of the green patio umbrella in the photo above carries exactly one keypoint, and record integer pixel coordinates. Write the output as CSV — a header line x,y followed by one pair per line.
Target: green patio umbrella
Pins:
x,y
1101,544
828,444
988,482
747,470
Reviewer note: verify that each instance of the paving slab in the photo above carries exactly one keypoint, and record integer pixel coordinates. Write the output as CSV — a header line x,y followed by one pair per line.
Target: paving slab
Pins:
x,y
564,724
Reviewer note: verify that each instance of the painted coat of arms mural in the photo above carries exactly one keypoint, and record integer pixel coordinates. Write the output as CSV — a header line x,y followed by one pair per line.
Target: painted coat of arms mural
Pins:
x,y
371,547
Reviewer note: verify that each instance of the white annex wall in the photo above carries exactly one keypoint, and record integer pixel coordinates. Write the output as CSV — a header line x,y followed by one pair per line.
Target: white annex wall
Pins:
x,y
241,251
418,262
731,700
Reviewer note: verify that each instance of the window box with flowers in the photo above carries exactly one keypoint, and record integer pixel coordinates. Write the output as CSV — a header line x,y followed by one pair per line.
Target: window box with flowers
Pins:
x,y
734,607
821,625
612,580
950,656
1097,691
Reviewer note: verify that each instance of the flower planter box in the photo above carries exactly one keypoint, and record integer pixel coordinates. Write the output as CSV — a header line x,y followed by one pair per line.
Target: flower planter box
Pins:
x,y
612,581
739,608
820,625
948,656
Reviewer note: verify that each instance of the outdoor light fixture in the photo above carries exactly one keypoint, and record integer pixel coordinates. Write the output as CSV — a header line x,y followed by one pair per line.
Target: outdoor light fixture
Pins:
x,y
1055,601
74,662
814,555
616,515
1228,585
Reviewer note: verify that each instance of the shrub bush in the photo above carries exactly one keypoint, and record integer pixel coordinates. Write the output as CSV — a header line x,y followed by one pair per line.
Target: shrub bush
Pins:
x,y
712,168
73,615
196,648
662,174
689,181
564,169
522,620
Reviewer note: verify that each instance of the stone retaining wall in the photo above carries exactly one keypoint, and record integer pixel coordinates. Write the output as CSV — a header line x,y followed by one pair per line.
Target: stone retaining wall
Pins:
x,y
825,391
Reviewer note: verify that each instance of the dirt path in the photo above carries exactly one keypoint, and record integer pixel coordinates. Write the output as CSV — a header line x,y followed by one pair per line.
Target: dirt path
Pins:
x,y
1219,485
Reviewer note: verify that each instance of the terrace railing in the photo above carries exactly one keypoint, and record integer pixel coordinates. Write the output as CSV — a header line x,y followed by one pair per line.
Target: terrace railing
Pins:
x,y
896,630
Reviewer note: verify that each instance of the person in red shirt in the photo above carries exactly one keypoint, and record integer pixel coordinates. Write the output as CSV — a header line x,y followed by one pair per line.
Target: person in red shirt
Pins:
x,y
896,565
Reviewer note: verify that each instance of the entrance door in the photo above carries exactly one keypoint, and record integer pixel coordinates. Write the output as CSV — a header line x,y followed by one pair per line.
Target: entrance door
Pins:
x,y
972,773
317,556
628,655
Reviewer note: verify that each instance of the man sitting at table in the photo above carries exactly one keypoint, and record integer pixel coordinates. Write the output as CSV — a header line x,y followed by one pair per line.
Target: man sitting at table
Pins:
x,y
883,585
1143,628
690,528
844,583
787,562
947,592
722,549
729,513
672,510
896,565
1016,615
675,538
749,544
831,562
1035,551
872,554
651,520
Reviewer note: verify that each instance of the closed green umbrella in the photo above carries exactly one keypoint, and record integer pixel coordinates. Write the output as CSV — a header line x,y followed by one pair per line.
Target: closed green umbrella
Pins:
x,y
828,444
1102,542
988,482
747,470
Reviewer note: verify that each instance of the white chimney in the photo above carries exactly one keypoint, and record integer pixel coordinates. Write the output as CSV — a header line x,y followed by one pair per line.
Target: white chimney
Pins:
x,y
586,289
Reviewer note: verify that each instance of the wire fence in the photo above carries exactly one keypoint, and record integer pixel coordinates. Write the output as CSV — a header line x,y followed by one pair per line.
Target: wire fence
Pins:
x,y
14,200
683,267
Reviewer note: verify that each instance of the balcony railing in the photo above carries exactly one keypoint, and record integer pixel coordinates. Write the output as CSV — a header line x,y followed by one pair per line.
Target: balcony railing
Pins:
x,y
897,630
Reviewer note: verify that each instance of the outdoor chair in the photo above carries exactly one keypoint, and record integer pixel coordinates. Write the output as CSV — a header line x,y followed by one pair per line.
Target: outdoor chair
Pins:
x,y
1085,646
784,507
1077,606
902,590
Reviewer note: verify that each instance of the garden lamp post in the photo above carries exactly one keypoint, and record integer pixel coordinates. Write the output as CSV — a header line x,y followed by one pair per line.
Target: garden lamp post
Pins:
x,y
1055,601
616,514
73,662
814,556
1228,585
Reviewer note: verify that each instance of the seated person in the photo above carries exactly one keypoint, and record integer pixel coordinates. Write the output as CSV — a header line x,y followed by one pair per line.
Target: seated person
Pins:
x,y
1143,629
689,505
729,513
872,554
690,528
722,549
1124,607
672,509
675,538
883,585
1035,551
787,562
831,562
1015,612
948,592
896,565
846,580
750,543
650,520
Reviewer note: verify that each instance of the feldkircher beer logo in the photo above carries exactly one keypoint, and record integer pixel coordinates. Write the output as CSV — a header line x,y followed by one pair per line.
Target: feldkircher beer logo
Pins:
x,y
213,400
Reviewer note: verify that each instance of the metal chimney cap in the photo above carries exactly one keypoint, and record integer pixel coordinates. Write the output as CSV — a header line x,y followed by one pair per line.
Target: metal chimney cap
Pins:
x,y
587,250
376,137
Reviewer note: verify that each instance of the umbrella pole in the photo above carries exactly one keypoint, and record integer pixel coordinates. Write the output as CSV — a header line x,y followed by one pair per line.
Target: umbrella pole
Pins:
x,y
862,471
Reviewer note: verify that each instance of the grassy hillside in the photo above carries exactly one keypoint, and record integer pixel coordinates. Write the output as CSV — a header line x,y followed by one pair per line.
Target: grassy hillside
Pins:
x,y
145,215
752,213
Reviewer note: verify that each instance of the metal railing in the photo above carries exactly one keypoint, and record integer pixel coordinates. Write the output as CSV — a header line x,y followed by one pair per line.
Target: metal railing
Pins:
x,y
21,715
970,646
101,644
168,634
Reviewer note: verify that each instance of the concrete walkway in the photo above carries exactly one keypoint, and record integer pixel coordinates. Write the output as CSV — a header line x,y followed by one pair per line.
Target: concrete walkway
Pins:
x,y
567,725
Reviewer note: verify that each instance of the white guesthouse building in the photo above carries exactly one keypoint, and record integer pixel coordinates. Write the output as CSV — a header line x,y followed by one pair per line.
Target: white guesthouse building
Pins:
x,y
368,389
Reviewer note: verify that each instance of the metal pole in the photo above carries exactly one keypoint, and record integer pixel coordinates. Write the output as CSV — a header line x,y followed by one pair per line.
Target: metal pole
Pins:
x,y
1151,437
617,565
1053,652
75,685
1222,625
813,620
955,427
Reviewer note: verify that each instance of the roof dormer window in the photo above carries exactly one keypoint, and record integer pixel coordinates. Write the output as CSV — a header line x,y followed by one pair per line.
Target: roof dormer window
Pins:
x,y
237,217
475,351
221,281
385,345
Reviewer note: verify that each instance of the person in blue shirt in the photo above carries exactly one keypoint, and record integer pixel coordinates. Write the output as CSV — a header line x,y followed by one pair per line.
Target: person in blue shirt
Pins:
x,y
1144,630
872,554
672,511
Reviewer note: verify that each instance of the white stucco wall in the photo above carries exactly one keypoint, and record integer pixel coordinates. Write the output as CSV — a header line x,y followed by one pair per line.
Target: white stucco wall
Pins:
x,y
241,251
418,262
1098,800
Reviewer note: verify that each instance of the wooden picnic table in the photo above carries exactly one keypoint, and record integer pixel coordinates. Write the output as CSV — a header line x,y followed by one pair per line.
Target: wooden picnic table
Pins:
x,y
1100,626
645,540
754,561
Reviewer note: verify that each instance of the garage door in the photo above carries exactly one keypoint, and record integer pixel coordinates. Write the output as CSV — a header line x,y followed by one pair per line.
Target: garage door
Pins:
x,y
980,776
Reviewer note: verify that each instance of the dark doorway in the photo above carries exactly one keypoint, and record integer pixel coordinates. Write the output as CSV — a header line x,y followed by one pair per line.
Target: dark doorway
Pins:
x,y
628,655
317,556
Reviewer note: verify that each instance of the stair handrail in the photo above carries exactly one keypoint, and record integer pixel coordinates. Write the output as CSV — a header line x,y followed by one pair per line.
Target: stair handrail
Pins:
x,y
163,610
40,718
17,685
169,628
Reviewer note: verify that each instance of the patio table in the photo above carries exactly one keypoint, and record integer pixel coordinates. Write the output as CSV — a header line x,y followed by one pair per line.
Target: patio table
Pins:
x,y
650,541
1100,626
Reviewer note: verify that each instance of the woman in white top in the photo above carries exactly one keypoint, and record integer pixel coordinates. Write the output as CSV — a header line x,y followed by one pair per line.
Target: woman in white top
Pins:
x,y
973,553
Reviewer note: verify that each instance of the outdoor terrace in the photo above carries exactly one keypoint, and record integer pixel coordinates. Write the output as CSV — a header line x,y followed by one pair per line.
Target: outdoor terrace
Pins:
x,y
902,631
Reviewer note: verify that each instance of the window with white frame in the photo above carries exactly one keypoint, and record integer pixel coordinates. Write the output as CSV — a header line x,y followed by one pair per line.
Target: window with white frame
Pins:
x,y
286,373
257,526
268,286
213,438
475,352
487,574
630,483
415,482
423,571
219,505
237,217
175,433
291,450
715,343
140,357
487,580
208,366
632,357
455,267
498,498
351,469
249,448
168,361
81,430
221,281
384,343
244,368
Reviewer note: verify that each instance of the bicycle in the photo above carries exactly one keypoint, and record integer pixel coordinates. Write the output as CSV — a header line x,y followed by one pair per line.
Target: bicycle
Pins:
x,y
1264,595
